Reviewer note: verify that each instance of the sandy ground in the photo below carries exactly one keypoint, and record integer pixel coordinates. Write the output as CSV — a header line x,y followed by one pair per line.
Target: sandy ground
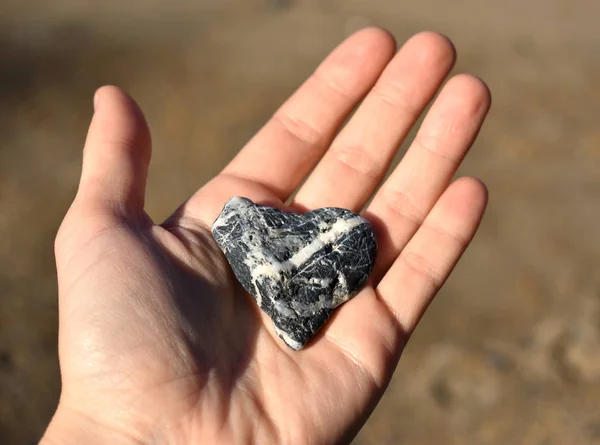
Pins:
x,y
508,353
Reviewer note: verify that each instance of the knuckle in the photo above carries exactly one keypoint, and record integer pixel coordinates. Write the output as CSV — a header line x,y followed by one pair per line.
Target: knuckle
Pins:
x,y
359,159
401,206
397,95
431,145
422,267
456,241
298,128
335,81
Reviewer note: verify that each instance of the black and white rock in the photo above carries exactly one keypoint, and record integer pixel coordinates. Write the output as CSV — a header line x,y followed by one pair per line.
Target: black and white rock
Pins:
x,y
297,267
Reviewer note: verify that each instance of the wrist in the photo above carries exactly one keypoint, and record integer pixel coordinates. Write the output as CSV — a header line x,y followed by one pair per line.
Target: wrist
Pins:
x,y
70,427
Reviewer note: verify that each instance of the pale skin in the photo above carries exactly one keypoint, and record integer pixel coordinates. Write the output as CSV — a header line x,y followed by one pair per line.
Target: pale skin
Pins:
x,y
158,344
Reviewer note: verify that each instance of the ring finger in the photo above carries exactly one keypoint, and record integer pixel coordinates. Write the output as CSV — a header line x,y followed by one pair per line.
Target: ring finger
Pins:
x,y
405,199
358,158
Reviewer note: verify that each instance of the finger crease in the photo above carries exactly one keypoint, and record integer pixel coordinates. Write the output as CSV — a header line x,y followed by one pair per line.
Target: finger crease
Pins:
x,y
298,128
420,265
459,240
401,205
395,96
420,142
251,180
359,159
401,329
333,85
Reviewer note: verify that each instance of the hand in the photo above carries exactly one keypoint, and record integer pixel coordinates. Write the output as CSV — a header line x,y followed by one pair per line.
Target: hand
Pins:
x,y
159,344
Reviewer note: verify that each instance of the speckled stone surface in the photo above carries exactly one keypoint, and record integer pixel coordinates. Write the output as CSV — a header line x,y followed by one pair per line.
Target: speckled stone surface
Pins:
x,y
297,267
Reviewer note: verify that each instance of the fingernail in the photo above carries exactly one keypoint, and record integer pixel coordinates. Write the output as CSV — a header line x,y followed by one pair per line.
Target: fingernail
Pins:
x,y
96,102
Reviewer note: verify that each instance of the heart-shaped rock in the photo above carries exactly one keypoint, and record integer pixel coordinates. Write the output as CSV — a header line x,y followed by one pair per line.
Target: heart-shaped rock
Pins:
x,y
297,267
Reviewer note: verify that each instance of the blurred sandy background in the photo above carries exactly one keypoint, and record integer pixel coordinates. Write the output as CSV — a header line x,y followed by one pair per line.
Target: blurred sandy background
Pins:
x,y
509,352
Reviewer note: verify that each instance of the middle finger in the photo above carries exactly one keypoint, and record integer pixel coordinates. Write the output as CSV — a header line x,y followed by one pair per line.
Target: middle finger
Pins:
x,y
355,164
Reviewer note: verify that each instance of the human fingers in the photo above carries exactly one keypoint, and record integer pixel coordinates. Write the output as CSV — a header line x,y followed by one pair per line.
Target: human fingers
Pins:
x,y
116,156
355,164
282,153
428,259
407,196
372,328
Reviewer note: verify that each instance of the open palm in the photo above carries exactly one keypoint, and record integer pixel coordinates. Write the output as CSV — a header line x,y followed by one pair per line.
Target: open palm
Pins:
x,y
158,342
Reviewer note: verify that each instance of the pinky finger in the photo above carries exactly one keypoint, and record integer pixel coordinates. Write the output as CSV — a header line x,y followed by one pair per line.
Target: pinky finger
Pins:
x,y
428,259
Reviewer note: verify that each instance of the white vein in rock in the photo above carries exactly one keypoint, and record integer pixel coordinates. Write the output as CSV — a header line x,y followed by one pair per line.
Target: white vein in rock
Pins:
x,y
273,268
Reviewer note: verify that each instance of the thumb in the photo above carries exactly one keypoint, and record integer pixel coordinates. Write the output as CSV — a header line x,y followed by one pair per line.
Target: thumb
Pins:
x,y
113,177
116,157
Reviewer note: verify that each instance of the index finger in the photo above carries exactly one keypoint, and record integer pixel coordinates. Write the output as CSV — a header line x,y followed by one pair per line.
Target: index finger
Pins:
x,y
289,145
